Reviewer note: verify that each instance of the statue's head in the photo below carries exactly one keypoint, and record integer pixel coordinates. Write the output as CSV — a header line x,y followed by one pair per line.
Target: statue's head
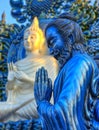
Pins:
x,y
34,39
62,35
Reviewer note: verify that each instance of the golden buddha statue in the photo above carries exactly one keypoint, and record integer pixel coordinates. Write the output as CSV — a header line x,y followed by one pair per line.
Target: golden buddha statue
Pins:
x,y
20,102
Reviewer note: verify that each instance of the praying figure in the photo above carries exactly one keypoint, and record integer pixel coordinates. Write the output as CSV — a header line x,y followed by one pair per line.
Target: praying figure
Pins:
x,y
20,102
76,88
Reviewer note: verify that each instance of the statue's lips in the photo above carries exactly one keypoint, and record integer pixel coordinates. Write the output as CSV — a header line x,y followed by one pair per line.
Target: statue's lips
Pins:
x,y
28,47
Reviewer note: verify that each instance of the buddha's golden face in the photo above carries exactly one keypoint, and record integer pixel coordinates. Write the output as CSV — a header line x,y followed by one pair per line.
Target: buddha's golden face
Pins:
x,y
31,40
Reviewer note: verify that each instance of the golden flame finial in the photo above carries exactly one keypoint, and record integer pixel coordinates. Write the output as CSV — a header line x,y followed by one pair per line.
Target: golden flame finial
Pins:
x,y
35,24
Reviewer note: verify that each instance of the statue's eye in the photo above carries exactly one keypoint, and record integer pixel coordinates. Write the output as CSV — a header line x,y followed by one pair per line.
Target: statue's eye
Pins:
x,y
31,37
52,42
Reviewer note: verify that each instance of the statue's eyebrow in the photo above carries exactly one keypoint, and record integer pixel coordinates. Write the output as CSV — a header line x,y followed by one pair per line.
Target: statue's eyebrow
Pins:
x,y
51,37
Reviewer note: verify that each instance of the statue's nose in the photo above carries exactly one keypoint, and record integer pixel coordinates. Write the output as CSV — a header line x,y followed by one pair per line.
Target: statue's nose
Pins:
x,y
28,39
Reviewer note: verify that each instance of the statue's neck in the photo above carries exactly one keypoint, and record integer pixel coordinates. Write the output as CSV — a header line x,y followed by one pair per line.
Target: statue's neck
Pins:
x,y
33,54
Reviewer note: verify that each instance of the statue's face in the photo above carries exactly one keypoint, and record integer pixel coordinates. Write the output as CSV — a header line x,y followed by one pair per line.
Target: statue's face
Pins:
x,y
28,41
34,41
55,41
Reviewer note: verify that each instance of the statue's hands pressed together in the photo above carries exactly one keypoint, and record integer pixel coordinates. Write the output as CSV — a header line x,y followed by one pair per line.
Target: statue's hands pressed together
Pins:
x,y
42,86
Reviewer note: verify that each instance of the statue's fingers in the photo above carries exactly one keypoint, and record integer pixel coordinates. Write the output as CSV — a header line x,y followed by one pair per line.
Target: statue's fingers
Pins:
x,y
39,76
36,77
35,90
49,89
49,83
39,87
45,86
43,75
40,82
36,83
46,76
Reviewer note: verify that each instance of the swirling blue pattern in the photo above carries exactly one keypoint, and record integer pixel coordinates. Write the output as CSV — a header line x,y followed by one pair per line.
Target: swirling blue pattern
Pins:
x,y
25,10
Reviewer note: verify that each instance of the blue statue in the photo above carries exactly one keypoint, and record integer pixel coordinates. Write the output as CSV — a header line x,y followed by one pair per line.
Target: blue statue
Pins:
x,y
76,86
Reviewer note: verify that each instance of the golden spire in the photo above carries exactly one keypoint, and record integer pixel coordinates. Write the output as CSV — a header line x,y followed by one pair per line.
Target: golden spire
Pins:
x,y
3,20
79,1
35,25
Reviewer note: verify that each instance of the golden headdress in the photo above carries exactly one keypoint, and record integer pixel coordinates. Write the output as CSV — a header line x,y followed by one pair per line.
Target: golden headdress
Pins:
x,y
35,26
38,34
35,29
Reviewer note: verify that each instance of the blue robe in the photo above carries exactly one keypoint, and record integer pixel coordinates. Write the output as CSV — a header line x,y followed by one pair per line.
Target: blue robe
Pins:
x,y
75,94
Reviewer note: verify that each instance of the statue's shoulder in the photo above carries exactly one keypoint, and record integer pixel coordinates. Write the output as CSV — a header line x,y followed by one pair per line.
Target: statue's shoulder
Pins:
x,y
50,58
82,57
79,60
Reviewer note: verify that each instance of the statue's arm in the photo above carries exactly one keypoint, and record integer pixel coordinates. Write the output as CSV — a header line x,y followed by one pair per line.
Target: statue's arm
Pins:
x,y
64,111
21,76
30,80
